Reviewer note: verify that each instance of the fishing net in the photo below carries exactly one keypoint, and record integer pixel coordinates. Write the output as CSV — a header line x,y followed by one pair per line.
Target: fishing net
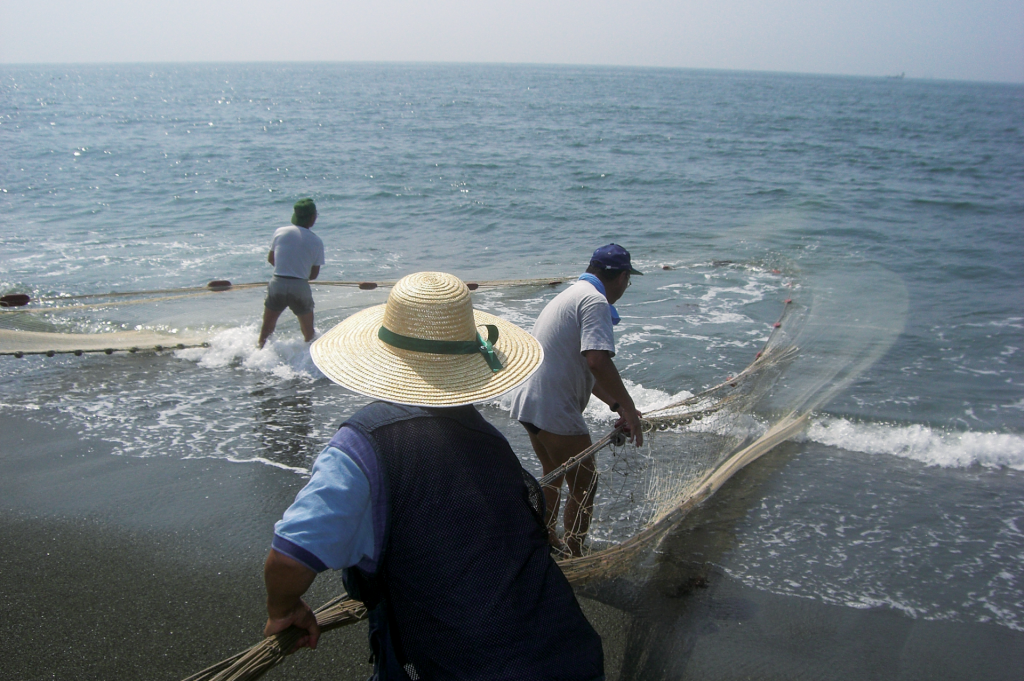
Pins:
x,y
693,445
825,338
68,324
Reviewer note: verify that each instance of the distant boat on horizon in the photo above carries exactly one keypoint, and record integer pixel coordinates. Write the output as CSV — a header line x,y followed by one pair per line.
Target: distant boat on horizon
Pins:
x,y
901,75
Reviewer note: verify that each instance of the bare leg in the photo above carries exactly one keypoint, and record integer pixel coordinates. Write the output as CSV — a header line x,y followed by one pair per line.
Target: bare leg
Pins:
x,y
579,507
306,324
552,490
269,324
554,450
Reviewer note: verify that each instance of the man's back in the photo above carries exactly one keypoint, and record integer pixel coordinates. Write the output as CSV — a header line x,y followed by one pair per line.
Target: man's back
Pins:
x,y
464,586
577,319
296,251
472,591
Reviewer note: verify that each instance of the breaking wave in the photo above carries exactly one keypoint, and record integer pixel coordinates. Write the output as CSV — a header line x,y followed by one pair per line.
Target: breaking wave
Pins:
x,y
930,446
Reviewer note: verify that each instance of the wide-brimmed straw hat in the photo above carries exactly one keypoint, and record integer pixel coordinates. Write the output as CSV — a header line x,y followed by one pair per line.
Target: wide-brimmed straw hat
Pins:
x,y
427,347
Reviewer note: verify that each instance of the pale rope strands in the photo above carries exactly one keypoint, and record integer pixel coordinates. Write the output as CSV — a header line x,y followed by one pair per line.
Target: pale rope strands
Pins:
x,y
25,330
46,303
715,442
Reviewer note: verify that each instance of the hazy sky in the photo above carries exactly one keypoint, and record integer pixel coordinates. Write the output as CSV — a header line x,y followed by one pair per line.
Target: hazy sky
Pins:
x,y
949,39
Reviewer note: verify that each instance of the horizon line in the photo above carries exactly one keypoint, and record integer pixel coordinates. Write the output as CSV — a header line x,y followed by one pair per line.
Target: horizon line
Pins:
x,y
894,76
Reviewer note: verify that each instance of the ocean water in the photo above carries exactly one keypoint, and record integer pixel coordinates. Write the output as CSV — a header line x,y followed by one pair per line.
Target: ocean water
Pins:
x,y
733,191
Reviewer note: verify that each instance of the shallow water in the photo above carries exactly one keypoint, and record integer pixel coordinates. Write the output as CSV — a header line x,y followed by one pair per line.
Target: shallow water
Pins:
x,y
905,491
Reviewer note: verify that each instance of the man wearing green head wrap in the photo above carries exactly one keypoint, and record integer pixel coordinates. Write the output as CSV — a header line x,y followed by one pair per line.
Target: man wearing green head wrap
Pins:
x,y
296,254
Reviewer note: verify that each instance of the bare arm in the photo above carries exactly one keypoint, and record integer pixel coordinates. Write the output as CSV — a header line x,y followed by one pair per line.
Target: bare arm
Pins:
x,y
602,394
314,272
286,581
270,257
610,389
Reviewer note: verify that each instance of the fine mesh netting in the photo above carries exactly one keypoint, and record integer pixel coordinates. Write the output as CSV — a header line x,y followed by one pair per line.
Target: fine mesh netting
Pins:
x,y
691,447
821,344
825,339
69,324
52,326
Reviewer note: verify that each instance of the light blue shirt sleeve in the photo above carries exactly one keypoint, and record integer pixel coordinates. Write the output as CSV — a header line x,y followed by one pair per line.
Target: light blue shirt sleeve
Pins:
x,y
330,523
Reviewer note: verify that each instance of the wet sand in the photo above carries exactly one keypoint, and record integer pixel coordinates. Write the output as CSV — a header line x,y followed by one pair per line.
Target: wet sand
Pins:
x,y
118,568
691,621
122,568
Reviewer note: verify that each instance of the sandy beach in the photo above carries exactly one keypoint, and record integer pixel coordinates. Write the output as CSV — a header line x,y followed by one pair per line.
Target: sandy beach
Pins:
x,y
117,567
885,542
124,568
138,568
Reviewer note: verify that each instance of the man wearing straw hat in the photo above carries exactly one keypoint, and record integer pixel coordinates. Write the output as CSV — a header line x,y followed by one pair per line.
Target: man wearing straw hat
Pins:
x,y
575,330
425,506
296,254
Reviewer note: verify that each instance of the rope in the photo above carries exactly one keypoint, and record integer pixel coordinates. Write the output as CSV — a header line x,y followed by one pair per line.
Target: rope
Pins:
x,y
608,562
343,610
611,438
141,301
223,286
209,288
338,612
108,351
760,359
124,298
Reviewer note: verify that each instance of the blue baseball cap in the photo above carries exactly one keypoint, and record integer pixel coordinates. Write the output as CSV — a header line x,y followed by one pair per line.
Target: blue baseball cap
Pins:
x,y
613,257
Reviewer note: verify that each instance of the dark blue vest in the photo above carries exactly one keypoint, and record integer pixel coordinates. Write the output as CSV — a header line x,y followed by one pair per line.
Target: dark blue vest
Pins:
x,y
465,587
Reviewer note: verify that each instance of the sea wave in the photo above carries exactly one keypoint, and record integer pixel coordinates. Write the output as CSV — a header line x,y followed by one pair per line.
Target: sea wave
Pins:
x,y
931,446
645,399
286,358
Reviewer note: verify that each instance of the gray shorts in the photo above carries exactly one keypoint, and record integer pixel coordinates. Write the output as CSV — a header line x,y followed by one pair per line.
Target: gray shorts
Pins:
x,y
294,294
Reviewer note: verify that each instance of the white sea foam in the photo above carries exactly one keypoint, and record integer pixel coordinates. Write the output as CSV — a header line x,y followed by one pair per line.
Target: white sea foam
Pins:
x,y
286,358
27,406
645,399
267,462
922,443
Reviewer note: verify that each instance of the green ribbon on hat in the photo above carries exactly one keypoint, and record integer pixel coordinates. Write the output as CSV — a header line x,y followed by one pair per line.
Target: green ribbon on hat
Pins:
x,y
441,347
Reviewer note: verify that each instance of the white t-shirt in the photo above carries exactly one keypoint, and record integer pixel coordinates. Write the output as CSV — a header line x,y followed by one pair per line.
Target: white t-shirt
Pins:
x,y
553,399
296,251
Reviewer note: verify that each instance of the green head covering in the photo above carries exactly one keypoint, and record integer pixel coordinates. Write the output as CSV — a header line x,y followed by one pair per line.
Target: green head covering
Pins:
x,y
304,212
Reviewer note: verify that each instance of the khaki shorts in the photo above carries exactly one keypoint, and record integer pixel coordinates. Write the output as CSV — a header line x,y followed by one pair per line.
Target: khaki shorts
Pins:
x,y
294,294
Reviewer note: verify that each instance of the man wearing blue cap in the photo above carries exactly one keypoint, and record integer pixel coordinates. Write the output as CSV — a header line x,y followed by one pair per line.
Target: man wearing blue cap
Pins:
x,y
575,331
296,254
